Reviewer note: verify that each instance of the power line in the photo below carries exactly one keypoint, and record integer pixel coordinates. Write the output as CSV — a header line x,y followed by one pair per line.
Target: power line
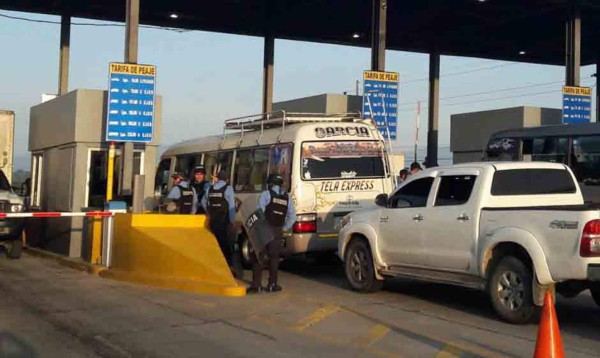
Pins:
x,y
87,23
464,72
491,99
487,92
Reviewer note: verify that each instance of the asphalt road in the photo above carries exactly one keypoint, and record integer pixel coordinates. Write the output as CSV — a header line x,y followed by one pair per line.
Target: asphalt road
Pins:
x,y
47,310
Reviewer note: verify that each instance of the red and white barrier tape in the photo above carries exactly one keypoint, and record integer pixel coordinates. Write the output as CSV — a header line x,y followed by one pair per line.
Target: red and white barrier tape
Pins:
x,y
57,214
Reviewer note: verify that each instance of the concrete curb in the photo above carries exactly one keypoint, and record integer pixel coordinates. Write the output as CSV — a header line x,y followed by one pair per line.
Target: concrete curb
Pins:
x,y
76,264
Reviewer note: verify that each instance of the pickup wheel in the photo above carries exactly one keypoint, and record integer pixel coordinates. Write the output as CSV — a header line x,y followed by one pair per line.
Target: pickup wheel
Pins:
x,y
359,267
510,290
14,249
596,295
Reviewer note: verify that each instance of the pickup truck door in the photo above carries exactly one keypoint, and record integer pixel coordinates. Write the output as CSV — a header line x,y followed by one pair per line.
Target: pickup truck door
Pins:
x,y
452,221
400,238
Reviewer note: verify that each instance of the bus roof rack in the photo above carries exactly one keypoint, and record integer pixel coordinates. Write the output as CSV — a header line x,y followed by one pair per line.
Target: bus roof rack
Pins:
x,y
281,118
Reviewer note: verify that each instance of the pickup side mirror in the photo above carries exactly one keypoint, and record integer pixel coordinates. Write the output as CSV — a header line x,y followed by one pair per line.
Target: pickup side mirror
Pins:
x,y
381,200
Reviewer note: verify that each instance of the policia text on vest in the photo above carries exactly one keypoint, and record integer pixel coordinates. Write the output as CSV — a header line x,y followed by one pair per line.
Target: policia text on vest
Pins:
x,y
281,215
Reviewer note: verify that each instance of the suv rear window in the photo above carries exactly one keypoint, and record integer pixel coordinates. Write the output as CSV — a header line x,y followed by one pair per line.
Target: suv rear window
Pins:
x,y
532,182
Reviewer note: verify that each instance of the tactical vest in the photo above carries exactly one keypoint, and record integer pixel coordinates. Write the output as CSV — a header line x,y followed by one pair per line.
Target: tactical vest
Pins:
x,y
218,207
276,210
199,187
186,200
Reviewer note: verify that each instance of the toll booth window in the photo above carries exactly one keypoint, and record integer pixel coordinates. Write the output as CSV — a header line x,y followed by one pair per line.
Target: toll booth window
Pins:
x,y
37,161
250,170
161,181
214,160
97,177
280,162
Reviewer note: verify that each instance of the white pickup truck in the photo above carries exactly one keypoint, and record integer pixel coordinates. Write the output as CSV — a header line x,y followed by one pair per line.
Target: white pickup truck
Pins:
x,y
512,229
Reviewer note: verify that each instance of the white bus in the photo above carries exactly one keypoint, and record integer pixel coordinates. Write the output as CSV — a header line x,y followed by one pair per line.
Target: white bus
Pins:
x,y
331,164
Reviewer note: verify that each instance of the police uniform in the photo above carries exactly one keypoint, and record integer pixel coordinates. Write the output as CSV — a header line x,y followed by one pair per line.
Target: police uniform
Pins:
x,y
280,214
201,187
184,196
219,204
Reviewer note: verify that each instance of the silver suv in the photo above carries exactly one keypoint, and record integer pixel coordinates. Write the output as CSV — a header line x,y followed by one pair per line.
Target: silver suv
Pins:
x,y
10,229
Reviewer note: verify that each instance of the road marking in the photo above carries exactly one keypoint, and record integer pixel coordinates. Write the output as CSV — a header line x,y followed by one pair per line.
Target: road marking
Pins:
x,y
315,317
375,333
449,351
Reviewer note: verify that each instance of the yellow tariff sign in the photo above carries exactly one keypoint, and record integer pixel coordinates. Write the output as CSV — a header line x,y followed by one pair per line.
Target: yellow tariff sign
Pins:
x,y
577,91
381,76
130,69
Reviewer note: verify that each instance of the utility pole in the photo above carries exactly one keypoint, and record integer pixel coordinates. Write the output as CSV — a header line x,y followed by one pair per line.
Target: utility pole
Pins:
x,y
418,120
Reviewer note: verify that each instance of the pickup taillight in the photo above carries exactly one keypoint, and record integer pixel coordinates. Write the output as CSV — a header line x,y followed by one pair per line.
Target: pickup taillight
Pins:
x,y
305,223
590,239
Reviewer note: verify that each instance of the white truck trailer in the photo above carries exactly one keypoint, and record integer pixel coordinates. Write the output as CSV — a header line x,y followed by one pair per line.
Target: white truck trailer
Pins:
x,y
7,130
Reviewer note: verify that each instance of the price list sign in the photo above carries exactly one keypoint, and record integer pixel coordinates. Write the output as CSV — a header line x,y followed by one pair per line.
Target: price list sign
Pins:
x,y
577,104
130,113
380,101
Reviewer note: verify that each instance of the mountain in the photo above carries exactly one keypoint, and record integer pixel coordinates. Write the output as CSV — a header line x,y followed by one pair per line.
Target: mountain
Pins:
x,y
22,162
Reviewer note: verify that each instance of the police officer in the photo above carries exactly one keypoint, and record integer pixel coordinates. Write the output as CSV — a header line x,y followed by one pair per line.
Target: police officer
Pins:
x,y
280,214
219,205
200,185
182,195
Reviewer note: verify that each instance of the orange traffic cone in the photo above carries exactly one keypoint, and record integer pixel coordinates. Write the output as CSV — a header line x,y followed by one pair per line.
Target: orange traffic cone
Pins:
x,y
549,344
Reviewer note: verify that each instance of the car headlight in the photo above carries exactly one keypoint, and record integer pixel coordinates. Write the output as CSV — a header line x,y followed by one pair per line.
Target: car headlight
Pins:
x,y
345,221
16,208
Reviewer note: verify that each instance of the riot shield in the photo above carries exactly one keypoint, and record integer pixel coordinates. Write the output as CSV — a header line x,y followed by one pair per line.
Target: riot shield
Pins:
x,y
259,232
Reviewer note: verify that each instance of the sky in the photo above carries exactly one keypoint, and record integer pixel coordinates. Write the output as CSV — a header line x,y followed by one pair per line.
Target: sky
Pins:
x,y
205,78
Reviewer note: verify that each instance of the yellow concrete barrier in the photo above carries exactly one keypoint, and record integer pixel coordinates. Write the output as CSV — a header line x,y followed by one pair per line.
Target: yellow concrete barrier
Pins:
x,y
171,251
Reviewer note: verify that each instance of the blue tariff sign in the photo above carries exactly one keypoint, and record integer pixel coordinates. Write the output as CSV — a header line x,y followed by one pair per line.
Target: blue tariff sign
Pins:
x,y
380,101
577,104
130,113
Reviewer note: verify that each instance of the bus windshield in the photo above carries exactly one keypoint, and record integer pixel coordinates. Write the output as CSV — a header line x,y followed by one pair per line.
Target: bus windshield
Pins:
x,y
342,160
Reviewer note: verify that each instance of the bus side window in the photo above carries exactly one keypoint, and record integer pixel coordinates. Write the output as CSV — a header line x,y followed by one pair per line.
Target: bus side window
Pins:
x,y
280,162
212,159
161,180
186,163
251,169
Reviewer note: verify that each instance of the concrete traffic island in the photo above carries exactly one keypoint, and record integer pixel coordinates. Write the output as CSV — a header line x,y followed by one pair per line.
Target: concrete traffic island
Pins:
x,y
170,251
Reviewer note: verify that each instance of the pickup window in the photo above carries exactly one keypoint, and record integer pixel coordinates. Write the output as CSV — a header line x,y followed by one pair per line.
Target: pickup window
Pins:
x,y
455,190
412,195
532,182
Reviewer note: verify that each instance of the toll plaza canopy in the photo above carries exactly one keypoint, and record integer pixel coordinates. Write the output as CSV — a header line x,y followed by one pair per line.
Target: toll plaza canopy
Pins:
x,y
512,30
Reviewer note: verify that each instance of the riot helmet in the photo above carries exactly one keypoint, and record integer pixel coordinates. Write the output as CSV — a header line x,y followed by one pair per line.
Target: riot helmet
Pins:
x,y
275,179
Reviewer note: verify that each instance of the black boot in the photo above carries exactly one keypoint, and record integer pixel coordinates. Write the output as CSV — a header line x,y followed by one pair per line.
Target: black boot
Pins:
x,y
273,287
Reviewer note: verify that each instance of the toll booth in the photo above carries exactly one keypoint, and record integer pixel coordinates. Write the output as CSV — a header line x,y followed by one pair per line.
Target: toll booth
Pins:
x,y
470,132
330,103
69,165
